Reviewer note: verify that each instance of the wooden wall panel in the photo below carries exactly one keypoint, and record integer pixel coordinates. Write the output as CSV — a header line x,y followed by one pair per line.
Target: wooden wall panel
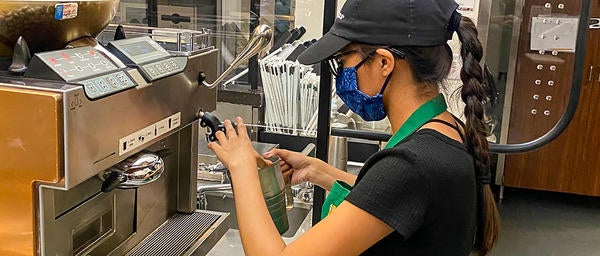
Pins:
x,y
558,165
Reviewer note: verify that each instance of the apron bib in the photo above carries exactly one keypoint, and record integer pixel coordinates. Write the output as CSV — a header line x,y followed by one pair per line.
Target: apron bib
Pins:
x,y
422,115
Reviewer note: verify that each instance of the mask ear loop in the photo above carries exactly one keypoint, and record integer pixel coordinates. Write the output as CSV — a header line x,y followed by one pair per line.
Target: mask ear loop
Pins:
x,y
387,80
385,84
398,53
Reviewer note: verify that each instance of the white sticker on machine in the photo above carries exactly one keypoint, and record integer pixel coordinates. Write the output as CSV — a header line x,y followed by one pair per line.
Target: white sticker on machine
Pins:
x,y
149,133
65,11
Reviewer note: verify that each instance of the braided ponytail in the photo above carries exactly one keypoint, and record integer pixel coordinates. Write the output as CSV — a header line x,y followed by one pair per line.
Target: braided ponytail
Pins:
x,y
473,94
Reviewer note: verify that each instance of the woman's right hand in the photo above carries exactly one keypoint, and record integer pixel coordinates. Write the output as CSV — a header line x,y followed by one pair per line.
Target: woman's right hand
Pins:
x,y
296,167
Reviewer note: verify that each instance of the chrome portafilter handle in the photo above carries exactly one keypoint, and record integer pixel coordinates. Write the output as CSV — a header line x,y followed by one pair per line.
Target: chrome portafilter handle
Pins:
x,y
259,40
136,171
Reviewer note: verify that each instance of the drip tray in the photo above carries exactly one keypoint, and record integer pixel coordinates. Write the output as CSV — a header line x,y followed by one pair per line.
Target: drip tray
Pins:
x,y
185,234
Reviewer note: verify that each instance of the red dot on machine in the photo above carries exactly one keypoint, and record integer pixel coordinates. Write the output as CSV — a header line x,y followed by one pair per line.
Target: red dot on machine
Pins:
x,y
66,57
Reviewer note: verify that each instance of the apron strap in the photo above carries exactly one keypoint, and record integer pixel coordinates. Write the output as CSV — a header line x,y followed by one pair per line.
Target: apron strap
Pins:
x,y
453,126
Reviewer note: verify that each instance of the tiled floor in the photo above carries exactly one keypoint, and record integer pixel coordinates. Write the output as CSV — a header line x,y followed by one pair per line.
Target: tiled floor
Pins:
x,y
547,223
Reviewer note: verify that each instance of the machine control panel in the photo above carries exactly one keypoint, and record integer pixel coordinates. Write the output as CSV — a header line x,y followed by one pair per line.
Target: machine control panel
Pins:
x,y
153,61
107,84
77,63
83,65
167,67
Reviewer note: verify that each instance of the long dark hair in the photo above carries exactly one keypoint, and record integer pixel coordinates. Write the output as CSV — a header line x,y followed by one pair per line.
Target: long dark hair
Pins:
x,y
430,66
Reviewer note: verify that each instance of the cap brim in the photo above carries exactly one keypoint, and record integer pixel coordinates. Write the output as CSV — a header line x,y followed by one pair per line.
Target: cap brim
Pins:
x,y
328,45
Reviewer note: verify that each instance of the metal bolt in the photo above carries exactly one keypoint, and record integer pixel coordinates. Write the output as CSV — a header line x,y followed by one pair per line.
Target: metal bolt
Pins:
x,y
555,53
536,97
538,82
534,111
549,98
548,5
547,112
543,36
542,52
540,67
553,68
561,6
556,38
551,83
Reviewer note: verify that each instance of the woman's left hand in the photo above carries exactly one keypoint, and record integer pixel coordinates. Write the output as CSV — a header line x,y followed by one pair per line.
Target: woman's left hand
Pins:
x,y
235,149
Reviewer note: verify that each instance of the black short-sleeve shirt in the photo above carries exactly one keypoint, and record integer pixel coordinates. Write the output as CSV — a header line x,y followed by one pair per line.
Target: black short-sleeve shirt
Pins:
x,y
424,188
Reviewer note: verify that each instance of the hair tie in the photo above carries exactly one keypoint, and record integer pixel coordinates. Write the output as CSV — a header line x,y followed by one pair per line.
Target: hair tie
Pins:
x,y
484,179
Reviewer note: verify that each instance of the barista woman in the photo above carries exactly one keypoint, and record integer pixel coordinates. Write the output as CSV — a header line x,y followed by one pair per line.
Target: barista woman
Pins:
x,y
427,193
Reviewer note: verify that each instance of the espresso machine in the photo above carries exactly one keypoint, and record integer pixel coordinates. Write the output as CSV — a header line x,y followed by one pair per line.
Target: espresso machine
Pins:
x,y
98,143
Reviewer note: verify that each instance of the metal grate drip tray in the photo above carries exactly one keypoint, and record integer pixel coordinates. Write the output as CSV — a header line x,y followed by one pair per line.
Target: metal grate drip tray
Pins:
x,y
180,235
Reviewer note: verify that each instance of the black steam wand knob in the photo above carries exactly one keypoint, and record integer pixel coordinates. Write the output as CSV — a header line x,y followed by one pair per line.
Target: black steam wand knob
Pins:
x,y
212,125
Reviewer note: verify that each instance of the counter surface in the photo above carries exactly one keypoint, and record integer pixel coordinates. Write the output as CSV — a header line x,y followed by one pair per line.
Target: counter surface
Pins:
x,y
231,243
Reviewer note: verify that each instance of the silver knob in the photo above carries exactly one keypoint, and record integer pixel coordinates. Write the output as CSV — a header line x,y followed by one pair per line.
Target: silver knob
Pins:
x,y
551,83
547,112
553,68
556,38
549,98
536,97
538,82
548,5
555,53
534,111
540,67
561,6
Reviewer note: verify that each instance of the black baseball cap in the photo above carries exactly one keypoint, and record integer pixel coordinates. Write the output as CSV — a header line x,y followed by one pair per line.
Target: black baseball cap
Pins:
x,y
385,22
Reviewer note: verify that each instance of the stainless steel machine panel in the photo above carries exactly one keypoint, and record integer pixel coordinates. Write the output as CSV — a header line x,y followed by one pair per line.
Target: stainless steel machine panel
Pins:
x,y
102,219
93,128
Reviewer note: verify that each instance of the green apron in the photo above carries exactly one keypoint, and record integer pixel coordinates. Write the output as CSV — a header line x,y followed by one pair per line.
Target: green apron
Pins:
x,y
422,115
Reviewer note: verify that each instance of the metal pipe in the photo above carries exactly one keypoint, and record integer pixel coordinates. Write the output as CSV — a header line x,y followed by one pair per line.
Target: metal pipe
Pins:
x,y
259,40
214,187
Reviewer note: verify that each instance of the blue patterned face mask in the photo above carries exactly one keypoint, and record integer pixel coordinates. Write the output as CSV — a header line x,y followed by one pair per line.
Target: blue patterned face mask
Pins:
x,y
369,108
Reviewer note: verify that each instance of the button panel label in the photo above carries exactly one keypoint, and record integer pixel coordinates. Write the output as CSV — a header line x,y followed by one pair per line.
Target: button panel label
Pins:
x,y
149,133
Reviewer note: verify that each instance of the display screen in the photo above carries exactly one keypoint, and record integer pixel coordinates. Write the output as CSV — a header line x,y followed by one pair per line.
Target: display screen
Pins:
x,y
138,48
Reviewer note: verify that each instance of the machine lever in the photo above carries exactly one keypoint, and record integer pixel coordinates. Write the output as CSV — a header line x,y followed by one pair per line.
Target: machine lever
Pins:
x,y
120,33
259,40
212,125
21,57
